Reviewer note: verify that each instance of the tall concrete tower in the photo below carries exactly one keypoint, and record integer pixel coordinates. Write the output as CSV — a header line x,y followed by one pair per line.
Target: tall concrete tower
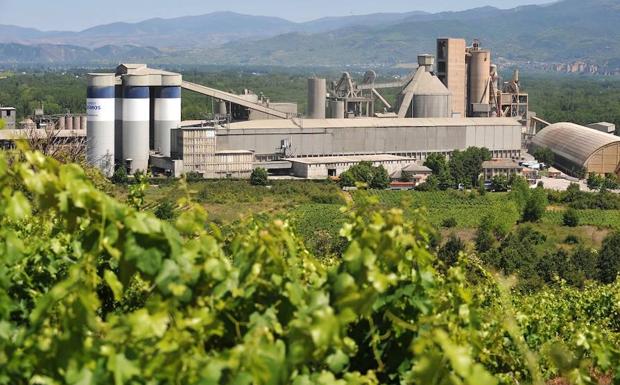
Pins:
x,y
317,97
167,112
100,127
136,118
452,71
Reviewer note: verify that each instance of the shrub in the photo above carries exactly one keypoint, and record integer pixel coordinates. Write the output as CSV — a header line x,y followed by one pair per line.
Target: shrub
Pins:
x,y
449,223
535,206
571,218
449,253
609,259
571,239
259,177
165,210
120,176
193,177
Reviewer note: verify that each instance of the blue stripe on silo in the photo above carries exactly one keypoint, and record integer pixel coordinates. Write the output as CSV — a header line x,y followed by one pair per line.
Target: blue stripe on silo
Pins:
x,y
100,92
172,92
136,92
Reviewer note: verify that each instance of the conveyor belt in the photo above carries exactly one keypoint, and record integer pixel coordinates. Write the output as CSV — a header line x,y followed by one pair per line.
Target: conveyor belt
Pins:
x,y
228,97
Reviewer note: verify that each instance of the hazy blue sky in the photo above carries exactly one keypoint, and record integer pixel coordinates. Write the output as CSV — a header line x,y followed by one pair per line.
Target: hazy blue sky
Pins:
x,y
80,14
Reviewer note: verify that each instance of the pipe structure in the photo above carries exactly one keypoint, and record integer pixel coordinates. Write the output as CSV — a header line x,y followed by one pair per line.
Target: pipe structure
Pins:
x,y
100,123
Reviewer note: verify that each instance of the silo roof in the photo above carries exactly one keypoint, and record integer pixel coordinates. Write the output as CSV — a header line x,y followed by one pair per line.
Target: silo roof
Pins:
x,y
573,142
431,85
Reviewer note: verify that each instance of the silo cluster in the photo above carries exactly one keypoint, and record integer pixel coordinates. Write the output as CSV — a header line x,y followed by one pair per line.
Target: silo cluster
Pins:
x,y
130,116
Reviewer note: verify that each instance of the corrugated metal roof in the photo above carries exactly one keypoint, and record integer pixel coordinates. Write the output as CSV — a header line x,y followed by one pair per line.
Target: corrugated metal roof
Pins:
x,y
372,122
573,142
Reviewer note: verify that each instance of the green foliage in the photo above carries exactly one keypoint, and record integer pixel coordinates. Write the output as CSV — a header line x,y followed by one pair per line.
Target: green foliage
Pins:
x,y
609,259
535,205
484,235
95,291
570,218
137,190
364,173
165,210
449,223
259,177
499,183
595,181
120,176
193,177
544,155
437,163
465,166
449,252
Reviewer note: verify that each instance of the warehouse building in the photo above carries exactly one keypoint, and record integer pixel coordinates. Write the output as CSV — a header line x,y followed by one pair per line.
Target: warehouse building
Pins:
x,y
580,149
409,137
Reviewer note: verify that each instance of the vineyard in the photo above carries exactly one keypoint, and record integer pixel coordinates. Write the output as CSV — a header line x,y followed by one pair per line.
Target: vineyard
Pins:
x,y
93,291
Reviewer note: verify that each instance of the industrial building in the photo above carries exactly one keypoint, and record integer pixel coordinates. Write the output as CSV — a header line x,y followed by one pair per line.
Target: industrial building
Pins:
x,y
334,166
134,119
8,115
580,149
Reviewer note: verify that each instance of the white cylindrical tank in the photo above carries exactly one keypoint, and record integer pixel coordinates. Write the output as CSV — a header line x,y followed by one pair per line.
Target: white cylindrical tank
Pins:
x,y
479,75
100,127
136,119
317,97
167,112
336,109
83,122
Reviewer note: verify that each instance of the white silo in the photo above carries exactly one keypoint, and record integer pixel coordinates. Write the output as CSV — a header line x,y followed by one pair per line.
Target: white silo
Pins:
x,y
136,118
317,97
167,114
118,123
100,127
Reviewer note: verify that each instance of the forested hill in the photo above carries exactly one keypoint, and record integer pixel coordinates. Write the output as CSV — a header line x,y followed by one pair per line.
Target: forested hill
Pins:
x,y
563,32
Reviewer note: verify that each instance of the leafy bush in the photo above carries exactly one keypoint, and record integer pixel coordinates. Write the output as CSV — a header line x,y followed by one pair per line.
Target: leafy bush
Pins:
x,y
570,218
120,176
449,223
535,205
571,239
94,291
193,177
165,210
374,177
259,177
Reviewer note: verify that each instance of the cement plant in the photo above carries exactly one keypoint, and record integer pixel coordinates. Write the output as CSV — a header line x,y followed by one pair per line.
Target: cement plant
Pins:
x,y
454,100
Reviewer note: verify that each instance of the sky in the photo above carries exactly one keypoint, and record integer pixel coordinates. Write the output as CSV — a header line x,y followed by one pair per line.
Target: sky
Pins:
x,y
75,15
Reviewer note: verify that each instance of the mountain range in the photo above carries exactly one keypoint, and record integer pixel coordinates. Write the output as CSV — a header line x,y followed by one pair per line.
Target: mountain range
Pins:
x,y
560,32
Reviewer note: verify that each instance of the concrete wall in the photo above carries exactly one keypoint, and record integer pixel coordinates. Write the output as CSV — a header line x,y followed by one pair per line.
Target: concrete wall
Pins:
x,y
321,170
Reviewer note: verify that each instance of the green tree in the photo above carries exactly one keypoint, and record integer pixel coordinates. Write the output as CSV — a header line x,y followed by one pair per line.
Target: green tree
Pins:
x,y
499,183
259,177
610,182
484,234
609,258
535,206
437,163
571,218
449,252
380,178
544,155
466,166
595,181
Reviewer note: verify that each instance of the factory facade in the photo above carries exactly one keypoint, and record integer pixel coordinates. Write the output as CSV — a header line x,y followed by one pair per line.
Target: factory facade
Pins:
x,y
134,119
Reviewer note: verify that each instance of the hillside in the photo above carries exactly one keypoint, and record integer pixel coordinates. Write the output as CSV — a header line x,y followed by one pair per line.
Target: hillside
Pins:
x,y
562,32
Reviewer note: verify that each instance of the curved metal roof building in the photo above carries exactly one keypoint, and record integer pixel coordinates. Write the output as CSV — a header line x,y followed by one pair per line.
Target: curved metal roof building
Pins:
x,y
579,148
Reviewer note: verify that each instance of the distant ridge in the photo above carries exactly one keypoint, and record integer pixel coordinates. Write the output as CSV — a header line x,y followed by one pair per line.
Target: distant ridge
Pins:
x,y
561,32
